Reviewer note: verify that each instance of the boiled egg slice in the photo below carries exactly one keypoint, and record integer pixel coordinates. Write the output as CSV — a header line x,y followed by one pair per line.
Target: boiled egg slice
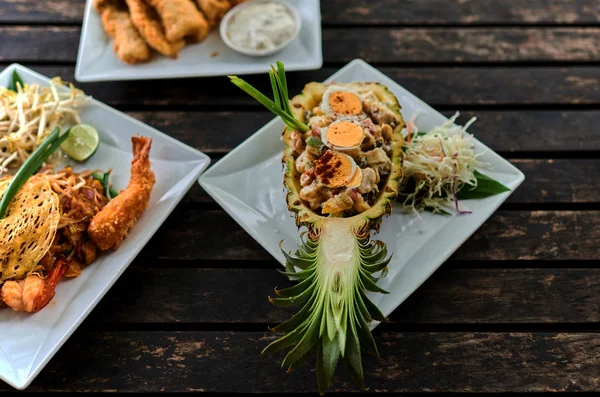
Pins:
x,y
342,135
341,100
335,169
356,179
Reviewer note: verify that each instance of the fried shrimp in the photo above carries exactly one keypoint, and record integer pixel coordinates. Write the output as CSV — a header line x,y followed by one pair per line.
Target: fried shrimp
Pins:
x,y
110,226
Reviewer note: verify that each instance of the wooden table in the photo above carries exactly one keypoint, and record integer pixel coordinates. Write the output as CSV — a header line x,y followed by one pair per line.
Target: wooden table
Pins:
x,y
517,308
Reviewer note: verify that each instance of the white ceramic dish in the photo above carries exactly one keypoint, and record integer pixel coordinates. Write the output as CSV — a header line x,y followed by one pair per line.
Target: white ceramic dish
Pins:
x,y
224,26
96,60
30,340
247,183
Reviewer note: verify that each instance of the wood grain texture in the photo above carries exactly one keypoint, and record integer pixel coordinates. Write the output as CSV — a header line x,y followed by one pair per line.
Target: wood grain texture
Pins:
x,y
438,86
450,296
410,362
507,235
382,45
356,12
503,131
461,12
35,11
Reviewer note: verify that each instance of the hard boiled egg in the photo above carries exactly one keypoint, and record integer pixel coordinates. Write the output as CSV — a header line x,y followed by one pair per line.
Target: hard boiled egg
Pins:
x,y
343,135
341,100
356,179
335,169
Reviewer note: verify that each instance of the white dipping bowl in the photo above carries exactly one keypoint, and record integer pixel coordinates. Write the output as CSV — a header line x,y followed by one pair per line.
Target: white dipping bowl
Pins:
x,y
223,27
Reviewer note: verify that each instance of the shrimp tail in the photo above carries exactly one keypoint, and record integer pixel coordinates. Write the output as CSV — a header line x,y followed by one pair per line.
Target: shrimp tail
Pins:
x,y
49,288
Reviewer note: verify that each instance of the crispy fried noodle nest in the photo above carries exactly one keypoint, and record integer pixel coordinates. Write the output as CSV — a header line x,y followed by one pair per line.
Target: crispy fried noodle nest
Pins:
x,y
29,227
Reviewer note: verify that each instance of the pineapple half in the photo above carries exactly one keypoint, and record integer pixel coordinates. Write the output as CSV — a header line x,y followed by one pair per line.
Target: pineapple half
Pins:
x,y
335,262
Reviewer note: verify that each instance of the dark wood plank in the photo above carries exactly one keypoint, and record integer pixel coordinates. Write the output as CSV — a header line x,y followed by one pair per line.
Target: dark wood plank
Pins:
x,y
49,11
383,45
358,12
558,181
503,131
463,12
410,362
450,296
438,86
507,235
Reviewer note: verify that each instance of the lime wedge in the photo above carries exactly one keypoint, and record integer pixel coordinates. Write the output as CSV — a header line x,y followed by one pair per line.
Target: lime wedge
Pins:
x,y
82,142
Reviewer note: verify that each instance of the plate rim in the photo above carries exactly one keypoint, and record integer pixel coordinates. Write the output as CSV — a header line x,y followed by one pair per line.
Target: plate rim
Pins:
x,y
316,61
21,383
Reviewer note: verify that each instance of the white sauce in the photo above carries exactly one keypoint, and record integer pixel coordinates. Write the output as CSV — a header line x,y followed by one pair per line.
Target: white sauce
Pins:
x,y
261,26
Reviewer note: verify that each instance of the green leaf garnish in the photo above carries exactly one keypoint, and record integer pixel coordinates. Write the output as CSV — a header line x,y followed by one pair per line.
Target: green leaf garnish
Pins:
x,y
486,187
15,79
108,190
281,104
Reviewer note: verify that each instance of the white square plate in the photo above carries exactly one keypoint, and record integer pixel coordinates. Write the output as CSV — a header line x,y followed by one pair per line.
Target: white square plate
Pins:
x,y
96,60
30,340
247,183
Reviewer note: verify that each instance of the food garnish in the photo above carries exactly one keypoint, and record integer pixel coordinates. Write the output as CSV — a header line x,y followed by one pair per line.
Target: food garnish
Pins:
x,y
82,142
281,106
29,227
30,114
339,197
31,165
440,168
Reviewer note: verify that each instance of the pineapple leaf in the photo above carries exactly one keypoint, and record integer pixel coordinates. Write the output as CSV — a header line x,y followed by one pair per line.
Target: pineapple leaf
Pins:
x,y
294,321
370,285
308,341
294,300
302,360
296,289
365,336
353,359
328,354
287,340
376,314
333,319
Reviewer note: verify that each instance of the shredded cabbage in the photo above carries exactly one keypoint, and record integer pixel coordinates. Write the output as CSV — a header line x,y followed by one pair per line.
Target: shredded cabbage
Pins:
x,y
437,164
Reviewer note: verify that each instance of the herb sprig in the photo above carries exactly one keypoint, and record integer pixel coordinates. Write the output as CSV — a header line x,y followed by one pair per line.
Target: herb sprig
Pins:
x,y
280,105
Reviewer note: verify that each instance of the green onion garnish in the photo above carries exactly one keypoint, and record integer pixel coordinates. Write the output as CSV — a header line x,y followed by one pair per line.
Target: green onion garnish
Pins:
x,y
281,104
108,190
15,79
31,165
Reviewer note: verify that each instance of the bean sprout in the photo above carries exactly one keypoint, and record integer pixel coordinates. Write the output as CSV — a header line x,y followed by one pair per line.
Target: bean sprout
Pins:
x,y
28,116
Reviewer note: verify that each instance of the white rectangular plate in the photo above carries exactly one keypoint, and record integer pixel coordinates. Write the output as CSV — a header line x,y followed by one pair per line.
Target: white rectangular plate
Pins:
x,y
30,340
96,60
247,183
